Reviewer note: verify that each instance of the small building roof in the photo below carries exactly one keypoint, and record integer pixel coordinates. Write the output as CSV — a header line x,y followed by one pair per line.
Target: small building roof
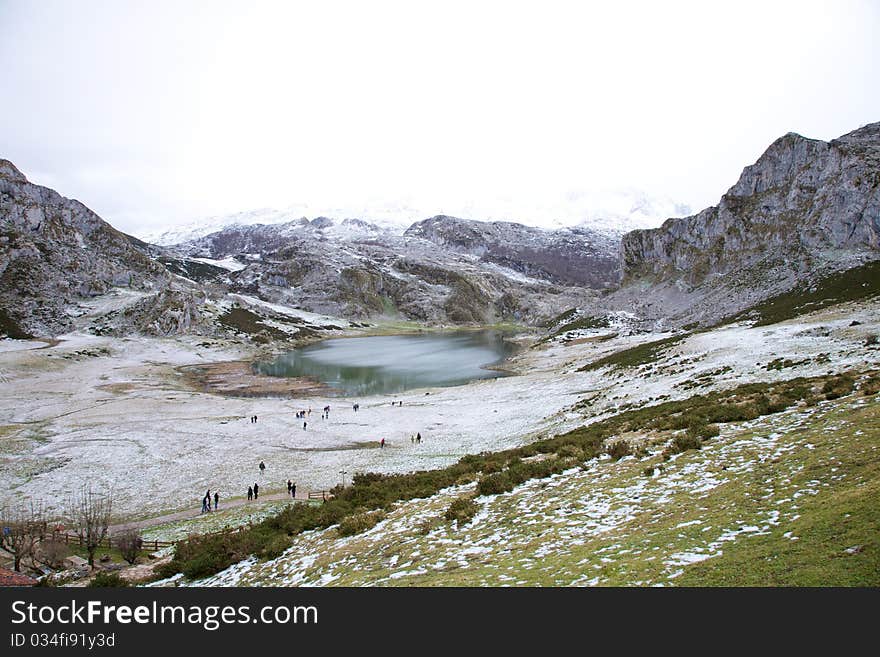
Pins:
x,y
12,578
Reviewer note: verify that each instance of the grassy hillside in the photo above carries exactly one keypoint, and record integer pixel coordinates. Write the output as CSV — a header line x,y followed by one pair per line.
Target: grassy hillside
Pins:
x,y
575,499
789,499
851,285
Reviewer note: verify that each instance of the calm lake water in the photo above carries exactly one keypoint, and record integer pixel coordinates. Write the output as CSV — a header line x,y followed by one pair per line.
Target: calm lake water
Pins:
x,y
395,363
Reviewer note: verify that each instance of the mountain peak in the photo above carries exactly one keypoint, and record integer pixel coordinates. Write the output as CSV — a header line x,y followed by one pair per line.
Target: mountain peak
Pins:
x,y
10,172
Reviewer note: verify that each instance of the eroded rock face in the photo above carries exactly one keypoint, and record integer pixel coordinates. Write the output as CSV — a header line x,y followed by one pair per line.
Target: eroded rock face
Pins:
x,y
54,252
441,270
575,256
802,195
804,207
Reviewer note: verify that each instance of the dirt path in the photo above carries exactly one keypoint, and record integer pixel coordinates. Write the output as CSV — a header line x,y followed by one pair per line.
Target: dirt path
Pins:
x,y
188,514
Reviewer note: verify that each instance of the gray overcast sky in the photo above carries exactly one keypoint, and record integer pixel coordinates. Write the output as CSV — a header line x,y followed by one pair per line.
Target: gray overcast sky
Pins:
x,y
158,112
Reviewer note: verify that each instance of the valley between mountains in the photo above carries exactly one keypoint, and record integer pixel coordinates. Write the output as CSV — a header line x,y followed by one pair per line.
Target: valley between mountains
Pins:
x,y
693,404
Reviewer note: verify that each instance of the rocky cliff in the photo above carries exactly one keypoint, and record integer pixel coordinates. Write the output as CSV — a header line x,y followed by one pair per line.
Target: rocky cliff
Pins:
x,y
56,254
805,208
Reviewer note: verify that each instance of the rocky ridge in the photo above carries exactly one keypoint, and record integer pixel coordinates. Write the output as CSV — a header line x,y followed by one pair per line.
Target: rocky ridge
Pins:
x,y
804,209
442,270
56,253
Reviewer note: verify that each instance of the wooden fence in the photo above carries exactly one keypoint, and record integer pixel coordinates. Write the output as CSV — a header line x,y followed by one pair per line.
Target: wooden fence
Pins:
x,y
108,541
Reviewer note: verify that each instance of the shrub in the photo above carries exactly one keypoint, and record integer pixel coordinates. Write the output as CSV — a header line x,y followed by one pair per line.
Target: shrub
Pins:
x,y
107,580
839,386
359,523
683,443
52,553
130,542
870,386
618,449
462,510
569,451
495,483
703,431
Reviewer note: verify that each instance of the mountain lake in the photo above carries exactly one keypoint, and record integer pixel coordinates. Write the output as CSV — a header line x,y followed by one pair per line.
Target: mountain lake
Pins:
x,y
395,363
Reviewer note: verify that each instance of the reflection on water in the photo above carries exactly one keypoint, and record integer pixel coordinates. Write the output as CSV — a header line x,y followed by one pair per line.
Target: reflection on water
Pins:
x,y
394,363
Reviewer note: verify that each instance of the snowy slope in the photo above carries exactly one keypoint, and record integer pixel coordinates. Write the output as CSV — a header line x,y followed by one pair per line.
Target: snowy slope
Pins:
x,y
609,211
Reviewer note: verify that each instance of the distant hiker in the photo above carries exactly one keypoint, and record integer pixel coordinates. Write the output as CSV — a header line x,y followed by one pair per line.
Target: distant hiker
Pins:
x,y
256,490
310,410
293,491
262,467
289,486
255,419
205,504
382,443
304,425
419,437
250,493
356,407
216,499
412,439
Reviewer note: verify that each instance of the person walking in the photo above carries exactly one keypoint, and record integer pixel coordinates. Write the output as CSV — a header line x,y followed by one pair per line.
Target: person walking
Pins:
x,y
293,491
216,500
262,468
419,438
382,443
256,490
250,493
289,486
205,504
305,424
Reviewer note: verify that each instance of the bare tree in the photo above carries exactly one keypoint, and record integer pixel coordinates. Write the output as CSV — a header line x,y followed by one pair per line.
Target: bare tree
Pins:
x,y
129,541
52,553
21,529
89,513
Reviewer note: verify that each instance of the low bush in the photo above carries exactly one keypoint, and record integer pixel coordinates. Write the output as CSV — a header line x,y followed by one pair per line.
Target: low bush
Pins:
x,y
703,431
360,523
618,449
684,442
107,580
462,510
494,484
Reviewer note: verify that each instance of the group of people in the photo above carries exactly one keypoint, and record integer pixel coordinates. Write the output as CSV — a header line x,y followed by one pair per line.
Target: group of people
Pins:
x,y
397,403
206,501
416,439
254,491
253,419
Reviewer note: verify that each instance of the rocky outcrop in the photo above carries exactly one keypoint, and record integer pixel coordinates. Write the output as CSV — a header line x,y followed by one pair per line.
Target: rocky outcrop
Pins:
x,y
441,271
806,207
573,256
55,251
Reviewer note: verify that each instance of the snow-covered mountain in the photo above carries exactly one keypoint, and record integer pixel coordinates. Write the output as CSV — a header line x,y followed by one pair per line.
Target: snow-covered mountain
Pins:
x,y
613,212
